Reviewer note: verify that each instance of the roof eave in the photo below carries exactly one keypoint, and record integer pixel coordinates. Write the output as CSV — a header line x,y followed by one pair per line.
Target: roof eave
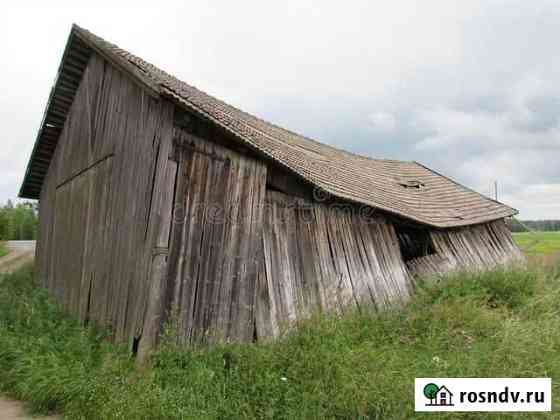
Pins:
x,y
77,41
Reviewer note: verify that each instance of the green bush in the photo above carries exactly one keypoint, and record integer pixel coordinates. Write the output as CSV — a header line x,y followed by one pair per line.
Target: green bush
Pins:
x,y
358,365
3,250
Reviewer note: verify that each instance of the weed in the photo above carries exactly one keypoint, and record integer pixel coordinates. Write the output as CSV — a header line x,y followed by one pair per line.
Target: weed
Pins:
x,y
359,365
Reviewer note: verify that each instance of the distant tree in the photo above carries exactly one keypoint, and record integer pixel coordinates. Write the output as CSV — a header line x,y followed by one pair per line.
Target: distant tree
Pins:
x,y
3,225
18,222
536,225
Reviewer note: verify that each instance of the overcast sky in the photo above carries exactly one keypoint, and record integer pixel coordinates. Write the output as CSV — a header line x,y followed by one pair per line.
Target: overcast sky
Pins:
x,y
469,88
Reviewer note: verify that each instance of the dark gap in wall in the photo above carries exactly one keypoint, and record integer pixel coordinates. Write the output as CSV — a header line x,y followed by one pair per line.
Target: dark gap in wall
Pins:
x,y
413,242
182,119
255,332
135,345
273,188
88,306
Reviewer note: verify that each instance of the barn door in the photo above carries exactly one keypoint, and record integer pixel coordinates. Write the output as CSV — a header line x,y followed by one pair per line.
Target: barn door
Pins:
x,y
217,222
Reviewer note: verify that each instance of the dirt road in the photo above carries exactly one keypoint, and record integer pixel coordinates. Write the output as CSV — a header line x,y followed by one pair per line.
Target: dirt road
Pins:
x,y
21,252
14,410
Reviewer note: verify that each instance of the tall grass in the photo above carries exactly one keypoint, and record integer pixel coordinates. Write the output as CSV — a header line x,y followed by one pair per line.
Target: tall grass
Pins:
x,y
358,365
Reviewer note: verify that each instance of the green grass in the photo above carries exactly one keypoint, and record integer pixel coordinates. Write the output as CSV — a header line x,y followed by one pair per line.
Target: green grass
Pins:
x,y
359,365
538,243
3,250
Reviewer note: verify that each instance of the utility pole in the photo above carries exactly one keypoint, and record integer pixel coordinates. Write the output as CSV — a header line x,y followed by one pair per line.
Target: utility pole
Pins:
x,y
496,190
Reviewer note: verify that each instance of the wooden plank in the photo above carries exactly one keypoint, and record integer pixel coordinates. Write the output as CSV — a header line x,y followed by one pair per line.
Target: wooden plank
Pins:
x,y
213,271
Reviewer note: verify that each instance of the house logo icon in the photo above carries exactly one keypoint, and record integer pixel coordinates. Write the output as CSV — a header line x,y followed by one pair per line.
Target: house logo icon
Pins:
x,y
438,396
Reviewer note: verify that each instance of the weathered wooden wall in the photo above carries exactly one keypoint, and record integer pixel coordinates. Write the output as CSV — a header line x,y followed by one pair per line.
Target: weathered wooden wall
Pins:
x,y
478,247
101,202
324,257
216,238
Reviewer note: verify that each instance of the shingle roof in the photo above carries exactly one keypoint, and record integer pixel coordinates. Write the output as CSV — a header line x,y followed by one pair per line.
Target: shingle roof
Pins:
x,y
406,189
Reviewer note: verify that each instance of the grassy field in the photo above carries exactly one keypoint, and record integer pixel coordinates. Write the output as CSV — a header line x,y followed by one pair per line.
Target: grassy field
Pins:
x,y
3,250
360,365
538,243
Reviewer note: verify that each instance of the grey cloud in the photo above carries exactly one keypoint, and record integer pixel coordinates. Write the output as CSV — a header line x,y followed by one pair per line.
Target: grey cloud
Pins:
x,y
544,113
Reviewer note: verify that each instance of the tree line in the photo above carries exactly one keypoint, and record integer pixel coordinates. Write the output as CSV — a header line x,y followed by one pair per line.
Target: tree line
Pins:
x,y
19,222
537,225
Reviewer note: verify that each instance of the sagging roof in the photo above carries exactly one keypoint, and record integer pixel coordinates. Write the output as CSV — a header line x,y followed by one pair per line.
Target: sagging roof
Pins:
x,y
406,189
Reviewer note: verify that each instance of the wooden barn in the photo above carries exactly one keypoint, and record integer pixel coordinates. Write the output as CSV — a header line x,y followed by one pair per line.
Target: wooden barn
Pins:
x,y
157,198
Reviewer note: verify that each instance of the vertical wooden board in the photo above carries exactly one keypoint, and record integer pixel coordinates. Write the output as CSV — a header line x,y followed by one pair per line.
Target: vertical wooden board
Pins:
x,y
205,260
98,245
194,202
283,266
186,245
71,213
310,281
211,274
62,243
167,204
349,227
331,278
256,175
75,142
234,302
401,281
266,304
103,259
57,250
370,233
264,315
178,242
230,258
237,253
213,269
283,263
279,266
156,297
46,229
78,239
